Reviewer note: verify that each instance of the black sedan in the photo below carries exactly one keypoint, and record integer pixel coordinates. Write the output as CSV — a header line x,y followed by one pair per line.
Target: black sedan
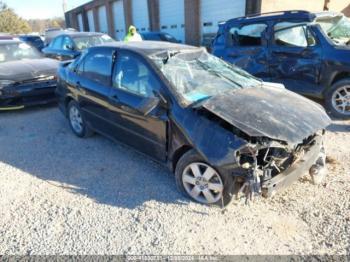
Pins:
x,y
26,77
220,130
70,44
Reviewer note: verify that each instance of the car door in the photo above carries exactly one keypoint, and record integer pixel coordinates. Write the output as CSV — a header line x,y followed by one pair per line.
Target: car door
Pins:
x,y
134,82
93,85
246,47
296,58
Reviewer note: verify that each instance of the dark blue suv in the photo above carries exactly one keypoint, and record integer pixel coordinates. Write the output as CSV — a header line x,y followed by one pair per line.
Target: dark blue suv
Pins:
x,y
308,52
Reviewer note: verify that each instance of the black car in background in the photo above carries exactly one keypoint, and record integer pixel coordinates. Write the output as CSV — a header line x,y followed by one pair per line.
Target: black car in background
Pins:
x,y
159,36
70,44
308,52
217,127
26,77
33,40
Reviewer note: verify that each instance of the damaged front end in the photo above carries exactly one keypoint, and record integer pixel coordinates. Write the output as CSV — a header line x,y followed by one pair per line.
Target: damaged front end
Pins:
x,y
268,165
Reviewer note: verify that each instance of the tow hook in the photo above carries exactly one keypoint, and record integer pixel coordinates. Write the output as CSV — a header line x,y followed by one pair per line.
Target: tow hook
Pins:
x,y
319,170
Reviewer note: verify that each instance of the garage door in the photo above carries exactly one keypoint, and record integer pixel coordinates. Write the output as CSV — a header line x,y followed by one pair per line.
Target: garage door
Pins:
x,y
90,17
140,15
172,18
102,19
118,19
216,11
80,22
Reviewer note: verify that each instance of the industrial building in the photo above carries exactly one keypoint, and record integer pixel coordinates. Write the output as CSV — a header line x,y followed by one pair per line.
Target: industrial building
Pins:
x,y
191,21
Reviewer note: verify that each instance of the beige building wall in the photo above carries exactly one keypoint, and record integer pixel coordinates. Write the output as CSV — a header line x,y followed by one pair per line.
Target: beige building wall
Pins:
x,y
340,5
309,5
281,5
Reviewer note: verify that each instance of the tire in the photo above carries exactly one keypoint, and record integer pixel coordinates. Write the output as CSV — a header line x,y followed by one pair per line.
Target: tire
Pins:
x,y
339,88
187,182
76,119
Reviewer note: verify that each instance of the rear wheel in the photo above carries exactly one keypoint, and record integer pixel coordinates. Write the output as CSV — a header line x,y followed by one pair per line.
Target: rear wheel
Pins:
x,y
201,182
76,120
337,99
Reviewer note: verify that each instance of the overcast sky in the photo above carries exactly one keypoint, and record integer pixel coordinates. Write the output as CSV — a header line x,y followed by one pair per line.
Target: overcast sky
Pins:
x,y
30,9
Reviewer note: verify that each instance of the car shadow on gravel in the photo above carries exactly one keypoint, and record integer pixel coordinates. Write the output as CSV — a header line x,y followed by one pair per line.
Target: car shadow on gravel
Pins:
x,y
339,127
40,143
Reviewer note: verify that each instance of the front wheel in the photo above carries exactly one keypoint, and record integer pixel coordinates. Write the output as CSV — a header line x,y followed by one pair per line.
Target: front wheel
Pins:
x,y
337,99
201,182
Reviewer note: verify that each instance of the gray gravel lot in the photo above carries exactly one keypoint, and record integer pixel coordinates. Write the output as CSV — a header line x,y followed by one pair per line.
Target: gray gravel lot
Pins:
x,y
63,195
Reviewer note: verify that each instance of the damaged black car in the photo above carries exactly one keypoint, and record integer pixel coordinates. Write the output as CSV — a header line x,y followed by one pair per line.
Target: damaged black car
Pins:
x,y
221,131
26,77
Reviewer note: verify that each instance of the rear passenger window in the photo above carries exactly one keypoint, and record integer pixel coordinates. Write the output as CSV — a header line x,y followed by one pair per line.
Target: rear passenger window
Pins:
x,y
248,35
97,66
293,35
56,43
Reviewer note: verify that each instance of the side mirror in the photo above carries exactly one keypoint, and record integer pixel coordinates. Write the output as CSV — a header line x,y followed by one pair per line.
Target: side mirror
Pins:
x,y
69,47
148,104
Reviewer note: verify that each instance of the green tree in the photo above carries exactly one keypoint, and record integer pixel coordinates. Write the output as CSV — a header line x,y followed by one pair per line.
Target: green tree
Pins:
x,y
10,22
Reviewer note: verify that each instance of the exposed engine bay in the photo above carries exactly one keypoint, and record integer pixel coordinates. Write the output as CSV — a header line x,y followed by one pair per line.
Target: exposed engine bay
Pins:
x,y
266,159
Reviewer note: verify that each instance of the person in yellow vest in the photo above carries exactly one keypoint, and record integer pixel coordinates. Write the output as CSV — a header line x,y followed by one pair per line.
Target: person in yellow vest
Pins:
x,y
132,35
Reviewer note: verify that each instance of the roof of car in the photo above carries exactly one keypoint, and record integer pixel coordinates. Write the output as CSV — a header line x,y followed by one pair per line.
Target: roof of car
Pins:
x,y
152,33
149,47
79,34
6,42
291,14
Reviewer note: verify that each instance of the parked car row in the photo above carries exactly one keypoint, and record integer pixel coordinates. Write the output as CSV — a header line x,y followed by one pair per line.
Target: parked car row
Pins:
x,y
221,130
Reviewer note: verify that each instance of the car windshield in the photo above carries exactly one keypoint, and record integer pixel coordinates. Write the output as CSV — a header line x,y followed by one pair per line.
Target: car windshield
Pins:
x,y
198,75
336,27
17,51
84,42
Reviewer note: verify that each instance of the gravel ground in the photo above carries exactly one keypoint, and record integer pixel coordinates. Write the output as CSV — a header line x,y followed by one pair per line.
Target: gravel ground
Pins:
x,y
63,195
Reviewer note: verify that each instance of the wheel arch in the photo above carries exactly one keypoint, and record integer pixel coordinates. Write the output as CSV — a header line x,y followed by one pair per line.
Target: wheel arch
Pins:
x,y
340,76
67,100
178,153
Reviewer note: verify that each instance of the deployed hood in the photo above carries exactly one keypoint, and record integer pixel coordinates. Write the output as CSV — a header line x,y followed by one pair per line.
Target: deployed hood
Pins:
x,y
269,112
28,69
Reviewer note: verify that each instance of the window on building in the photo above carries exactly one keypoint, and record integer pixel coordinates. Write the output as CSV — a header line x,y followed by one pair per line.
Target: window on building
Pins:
x,y
248,35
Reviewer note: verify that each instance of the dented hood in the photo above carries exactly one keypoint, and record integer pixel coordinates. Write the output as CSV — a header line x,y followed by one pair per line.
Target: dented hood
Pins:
x,y
28,69
270,112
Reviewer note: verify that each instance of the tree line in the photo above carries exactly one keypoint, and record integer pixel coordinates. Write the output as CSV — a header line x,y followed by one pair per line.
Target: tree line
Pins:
x,y
11,23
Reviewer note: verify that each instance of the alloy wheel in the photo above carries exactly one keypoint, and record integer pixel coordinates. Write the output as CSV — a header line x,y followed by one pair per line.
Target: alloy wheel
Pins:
x,y
76,119
202,183
341,100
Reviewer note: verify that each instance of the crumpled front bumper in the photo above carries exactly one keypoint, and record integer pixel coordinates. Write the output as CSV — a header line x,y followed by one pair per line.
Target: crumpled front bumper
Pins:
x,y
313,156
29,94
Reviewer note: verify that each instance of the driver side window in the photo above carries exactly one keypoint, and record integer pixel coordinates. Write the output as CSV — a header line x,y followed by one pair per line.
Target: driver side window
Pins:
x,y
134,76
67,43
